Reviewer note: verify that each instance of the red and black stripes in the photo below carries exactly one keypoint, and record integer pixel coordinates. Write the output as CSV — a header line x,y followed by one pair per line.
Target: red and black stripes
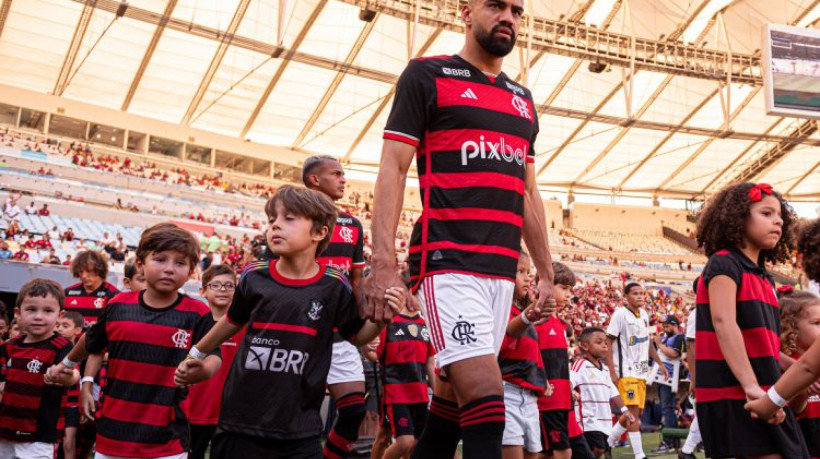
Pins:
x,y
403,351
89,304
520,360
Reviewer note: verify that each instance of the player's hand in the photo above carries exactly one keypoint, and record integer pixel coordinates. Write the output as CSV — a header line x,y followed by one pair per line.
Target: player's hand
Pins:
x,y
87,404
396,299
190,371
761,406
630,419
373,306
545,306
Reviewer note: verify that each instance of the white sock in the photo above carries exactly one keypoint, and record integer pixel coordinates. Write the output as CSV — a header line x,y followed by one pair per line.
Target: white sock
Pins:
x,y
617,431
637,444
693,438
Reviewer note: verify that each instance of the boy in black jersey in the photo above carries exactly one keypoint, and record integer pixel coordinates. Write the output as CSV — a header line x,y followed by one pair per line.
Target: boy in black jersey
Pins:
x,y
30,410
290,305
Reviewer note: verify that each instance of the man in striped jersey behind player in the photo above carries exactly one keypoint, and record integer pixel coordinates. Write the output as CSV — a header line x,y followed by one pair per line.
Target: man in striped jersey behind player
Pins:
x,y
472,130
345,380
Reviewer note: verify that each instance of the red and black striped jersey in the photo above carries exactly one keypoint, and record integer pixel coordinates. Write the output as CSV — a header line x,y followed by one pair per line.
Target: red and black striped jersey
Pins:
x,y
474,136
552,341
31,411
719,393
141,416
809,421
346,249
520,359
403,352
276,386
89,304
758,316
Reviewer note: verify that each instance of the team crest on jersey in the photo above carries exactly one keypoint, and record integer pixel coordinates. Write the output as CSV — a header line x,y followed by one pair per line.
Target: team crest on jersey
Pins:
x,y
180,338
425,335
464,332
34,366
315,311
347,234
413,329
99,303
521,105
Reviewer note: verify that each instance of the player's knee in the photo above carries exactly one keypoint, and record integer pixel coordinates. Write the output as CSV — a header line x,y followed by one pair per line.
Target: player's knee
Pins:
x,y
405,444
353,413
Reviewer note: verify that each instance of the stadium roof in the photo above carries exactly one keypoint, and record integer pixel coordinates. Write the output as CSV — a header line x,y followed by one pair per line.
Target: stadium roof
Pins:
x,y
314,76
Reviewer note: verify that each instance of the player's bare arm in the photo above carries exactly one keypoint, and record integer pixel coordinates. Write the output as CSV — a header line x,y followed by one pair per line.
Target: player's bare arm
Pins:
x,y
536,237
388,201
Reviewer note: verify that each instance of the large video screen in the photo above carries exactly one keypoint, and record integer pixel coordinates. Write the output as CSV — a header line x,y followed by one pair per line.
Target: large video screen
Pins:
x,y
791,71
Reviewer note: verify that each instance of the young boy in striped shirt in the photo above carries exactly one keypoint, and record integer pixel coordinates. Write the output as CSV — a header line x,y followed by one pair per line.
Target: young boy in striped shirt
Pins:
x,y
590,377
148,333
31,415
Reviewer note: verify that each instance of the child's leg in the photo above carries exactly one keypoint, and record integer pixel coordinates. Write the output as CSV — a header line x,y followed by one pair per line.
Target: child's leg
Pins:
x,y
201,436
512,452
381,442
402,447
70,443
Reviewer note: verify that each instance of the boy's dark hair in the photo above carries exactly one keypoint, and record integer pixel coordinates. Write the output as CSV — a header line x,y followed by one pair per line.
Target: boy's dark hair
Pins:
x,y
808,244
40,288
722,223
168,236
217,270
314,162
130,268
309,204
75,317
563,275
89,260
630,286
586,334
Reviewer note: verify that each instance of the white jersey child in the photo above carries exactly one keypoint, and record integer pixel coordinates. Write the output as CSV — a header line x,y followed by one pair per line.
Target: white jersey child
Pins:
x,y
597,390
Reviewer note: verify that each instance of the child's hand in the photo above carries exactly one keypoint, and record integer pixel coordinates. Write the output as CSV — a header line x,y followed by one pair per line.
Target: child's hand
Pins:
x,y
87,404
60,375
190,371
396,299
763,408
549,390
373,345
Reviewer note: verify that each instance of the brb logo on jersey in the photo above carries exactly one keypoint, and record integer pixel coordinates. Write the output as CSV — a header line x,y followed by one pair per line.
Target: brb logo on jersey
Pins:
x,y
180,338
498,151
277,360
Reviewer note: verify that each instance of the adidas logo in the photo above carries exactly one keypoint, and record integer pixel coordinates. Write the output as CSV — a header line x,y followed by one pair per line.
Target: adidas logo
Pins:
x,y
400,333
469,94
74,303
552,332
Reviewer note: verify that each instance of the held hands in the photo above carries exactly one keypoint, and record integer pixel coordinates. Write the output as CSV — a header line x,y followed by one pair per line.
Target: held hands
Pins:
x,y
396,299
60,375
374,306
87,404
545,305
190,371
761,407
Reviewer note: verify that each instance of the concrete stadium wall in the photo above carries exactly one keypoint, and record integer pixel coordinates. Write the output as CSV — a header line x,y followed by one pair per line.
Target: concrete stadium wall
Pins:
x,y
628,219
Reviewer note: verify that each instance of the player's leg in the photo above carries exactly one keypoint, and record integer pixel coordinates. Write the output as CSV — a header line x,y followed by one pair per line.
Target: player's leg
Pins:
x,y
692,440
441,435
512,452
346,385
383,435
70,443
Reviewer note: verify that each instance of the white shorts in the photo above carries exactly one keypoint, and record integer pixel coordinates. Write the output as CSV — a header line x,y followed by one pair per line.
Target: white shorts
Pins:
x,y
467,315
175,456
522,426
345,364
31,450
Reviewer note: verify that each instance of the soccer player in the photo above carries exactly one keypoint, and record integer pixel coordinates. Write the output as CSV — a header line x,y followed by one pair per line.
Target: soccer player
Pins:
x,y
628,362
345,253
525,379
70,327
472,130
30,410
590,377
205,399
290,306
148,333
92,293
406,356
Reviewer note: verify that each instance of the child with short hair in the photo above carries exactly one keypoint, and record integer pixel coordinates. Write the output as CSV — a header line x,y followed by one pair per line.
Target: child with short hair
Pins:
x,y
522,372
590,377
205,399
70,327
148,333
290,305
92,293
132,279
30,408
741,228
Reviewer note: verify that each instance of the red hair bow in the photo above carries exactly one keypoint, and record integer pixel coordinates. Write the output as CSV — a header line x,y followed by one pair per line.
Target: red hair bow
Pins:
x,y
785,289
757,191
